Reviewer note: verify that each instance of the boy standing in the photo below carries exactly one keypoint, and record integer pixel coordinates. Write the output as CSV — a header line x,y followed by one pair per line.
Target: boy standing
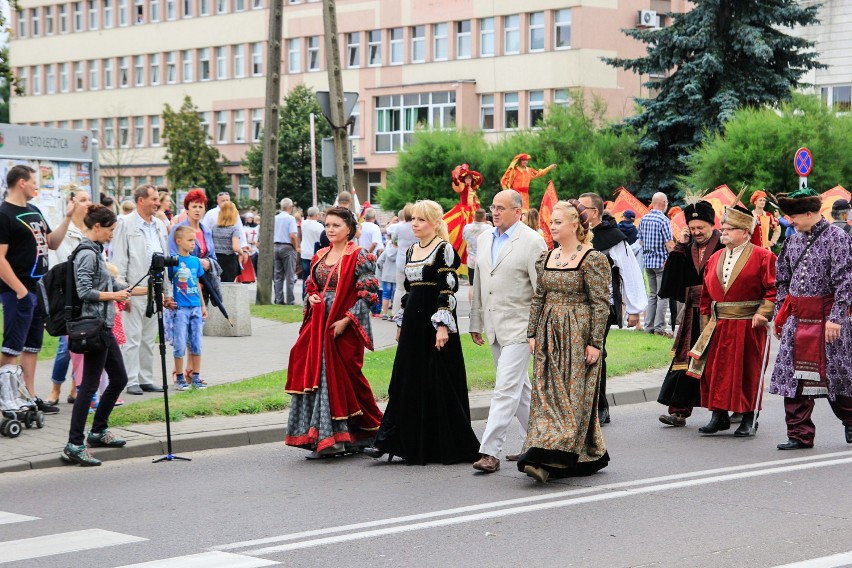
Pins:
x,y
387,271
190,311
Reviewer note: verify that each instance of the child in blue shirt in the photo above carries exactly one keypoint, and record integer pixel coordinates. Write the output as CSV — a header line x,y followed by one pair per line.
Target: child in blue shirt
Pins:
x,y
190,311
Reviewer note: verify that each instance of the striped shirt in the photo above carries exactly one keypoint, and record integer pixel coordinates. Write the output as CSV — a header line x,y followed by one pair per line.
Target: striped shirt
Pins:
x,y
654,232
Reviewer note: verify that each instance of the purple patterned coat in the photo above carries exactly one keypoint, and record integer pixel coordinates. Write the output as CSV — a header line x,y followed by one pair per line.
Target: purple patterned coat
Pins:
x,y
826,270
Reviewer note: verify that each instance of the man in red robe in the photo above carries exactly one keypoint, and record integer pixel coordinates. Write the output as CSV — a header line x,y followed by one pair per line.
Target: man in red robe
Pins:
x,y
737,302
519,175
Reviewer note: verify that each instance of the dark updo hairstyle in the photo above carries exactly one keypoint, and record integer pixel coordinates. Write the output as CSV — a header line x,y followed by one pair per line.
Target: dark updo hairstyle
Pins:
x,y
99,214
347,216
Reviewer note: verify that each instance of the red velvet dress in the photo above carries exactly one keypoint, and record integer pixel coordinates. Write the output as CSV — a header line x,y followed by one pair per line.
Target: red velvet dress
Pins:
x,y
732,372
332,407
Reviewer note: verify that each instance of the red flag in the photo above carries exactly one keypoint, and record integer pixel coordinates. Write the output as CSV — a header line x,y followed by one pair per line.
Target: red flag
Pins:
x,y
547,203
625,200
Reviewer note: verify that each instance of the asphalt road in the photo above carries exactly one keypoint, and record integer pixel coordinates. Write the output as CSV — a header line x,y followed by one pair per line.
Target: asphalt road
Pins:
x,y
669,498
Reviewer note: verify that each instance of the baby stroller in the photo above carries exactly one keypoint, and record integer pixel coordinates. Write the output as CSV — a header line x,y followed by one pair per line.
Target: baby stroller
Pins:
x,y
16,405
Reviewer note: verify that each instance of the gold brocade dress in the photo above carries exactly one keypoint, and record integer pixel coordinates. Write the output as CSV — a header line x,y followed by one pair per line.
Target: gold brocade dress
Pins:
x,y
569,311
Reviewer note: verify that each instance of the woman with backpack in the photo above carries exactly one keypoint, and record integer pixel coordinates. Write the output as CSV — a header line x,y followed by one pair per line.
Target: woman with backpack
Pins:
x,y
98,291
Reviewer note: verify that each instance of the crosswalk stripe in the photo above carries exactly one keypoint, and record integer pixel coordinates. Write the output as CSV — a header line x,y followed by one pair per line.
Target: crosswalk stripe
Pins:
x,y
206,560
9,518
49,545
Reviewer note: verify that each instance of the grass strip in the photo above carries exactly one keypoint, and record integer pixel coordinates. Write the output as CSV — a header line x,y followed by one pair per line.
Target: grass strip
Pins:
x,y
283,314
629,351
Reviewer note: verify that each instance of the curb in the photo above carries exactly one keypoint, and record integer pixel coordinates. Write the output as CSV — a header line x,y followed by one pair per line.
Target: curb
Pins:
x,y
154,447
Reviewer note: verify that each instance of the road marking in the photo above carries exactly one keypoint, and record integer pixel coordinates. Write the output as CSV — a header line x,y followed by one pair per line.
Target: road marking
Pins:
x,y
834,561
49,545
522,500
629,492
9,518
206,560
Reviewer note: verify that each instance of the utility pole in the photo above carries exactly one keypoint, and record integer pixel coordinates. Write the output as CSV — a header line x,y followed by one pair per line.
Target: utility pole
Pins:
x,y
339,128
314,199
270,153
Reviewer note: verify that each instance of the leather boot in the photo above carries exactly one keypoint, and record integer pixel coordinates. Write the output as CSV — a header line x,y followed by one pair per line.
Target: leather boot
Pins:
x,y
748,427
719,421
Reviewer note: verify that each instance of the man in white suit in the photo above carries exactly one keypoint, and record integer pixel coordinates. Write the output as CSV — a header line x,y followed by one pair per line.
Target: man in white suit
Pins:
x,y
136,238
502,293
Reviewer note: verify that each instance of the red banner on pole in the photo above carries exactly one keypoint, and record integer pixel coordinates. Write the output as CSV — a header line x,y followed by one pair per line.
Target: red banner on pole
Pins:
x,y
547,202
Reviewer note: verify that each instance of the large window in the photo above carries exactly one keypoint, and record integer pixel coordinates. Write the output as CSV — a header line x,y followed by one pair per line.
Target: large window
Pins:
x,y
257,59
561,97
221,6
154,67
35,21
245,187
139,71
155,130
536,31
64,79
353,49
374,48
486,37
139,131
204,8
109,80
37,80
841,98
78,16
171,67
418,44
294,55
109,132
314,53
139,11
536,102
108,14
171,9
154,7
123,12
188,76
511,34
399,117
562,31
51,78
22,24
124,132
510,111
222,127
239,61
239,126
63,19
221,63
48,20
486,112
397,46
93,15
205,70
463,39
124,72
256,124
440,42
187,8
94,74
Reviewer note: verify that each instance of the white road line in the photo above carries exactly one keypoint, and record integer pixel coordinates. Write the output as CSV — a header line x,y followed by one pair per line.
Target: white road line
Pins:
x,y
49,545
541,507
9,518
834,561
206,560
522,500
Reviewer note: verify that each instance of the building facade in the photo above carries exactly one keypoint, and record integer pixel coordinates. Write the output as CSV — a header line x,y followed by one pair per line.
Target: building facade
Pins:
x,y
834,45
110,66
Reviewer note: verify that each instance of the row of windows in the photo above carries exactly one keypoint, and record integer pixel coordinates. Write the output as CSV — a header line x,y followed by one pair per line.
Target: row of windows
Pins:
x,y
507,106
92,15
505,35
187,66
127,183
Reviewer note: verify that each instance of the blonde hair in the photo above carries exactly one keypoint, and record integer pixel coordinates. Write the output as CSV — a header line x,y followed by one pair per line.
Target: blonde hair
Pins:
x,y
583,235
227,215
112,269
183,231
433,213
164,194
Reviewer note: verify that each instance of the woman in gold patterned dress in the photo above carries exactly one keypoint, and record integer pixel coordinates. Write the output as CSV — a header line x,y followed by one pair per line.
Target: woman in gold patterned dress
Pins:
x,y
567,321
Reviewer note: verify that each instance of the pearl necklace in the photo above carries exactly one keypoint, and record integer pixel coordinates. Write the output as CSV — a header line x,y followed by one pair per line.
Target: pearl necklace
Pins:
x,y
570,258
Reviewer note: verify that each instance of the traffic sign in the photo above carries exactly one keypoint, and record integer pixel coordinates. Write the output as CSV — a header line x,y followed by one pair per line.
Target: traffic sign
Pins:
x,y
349,101
803,162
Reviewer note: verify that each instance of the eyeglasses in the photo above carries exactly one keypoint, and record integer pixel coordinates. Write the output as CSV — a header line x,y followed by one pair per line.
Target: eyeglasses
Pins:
x,y
724,230
500,208
223,194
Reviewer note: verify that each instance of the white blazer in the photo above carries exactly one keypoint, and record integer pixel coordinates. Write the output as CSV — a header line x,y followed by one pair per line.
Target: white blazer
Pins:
x,y
502,293
128,251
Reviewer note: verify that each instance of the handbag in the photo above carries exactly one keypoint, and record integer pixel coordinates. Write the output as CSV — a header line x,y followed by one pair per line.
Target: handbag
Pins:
x,y
87,335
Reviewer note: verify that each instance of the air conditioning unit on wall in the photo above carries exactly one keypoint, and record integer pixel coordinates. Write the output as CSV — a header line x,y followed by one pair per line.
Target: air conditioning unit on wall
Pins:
x,y
648,19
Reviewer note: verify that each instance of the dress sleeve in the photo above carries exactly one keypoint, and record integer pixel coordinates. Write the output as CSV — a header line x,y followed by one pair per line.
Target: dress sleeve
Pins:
x,y
366,287
448,284
538,297
597,278
841,277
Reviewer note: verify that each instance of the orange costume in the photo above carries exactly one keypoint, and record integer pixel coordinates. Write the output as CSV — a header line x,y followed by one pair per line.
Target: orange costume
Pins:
x,y
519,178
462,214
767,224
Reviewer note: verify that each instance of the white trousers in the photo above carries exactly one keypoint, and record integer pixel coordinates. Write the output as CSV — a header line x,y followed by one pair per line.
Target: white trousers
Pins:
x,y
138,352
512,394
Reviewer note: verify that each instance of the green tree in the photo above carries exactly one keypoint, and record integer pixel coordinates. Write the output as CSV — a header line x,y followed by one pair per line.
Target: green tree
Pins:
x,y
192,161
758,145
7,75
720,56
294,151
5,93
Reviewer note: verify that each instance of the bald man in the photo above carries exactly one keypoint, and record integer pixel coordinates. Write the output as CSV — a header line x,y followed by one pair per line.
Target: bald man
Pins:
x,y
655,234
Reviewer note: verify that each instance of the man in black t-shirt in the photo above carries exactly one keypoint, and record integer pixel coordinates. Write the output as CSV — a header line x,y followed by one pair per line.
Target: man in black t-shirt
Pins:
x,y
25,238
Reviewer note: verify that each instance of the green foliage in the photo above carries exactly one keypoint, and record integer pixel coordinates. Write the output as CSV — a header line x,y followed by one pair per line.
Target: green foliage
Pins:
x,y
192,161
718,57
758,145
5,93
294,151
590,156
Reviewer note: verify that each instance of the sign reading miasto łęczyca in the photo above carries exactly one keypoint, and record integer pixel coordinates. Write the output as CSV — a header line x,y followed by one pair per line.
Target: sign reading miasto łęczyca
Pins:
x,y
37,143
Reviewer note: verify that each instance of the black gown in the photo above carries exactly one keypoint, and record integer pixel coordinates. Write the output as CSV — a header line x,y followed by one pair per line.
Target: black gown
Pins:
x,y
427,419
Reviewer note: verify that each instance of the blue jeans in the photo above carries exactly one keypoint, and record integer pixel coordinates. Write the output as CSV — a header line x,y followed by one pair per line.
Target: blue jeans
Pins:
x,y
306,272
60,364
23,329
188,326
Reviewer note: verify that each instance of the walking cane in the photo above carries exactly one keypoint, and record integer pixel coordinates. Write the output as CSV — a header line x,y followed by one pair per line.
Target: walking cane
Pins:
x,y
763,366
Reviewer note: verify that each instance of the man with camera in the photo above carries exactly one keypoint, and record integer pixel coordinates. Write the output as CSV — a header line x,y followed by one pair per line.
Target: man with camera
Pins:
x,y
137,238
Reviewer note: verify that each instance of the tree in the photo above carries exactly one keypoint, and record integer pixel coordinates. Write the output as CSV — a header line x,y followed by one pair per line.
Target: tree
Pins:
x,y
720,56
7,76
758,145
294,151
193,162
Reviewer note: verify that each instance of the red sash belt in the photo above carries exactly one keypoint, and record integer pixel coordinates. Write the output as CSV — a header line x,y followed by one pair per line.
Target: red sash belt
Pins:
x,y
809,340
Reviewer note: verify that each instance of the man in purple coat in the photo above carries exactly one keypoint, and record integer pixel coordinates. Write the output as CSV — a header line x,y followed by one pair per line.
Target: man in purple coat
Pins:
x,y
814,279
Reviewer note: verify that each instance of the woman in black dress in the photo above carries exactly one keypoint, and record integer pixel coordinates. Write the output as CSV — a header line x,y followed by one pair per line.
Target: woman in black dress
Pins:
x,y
428,416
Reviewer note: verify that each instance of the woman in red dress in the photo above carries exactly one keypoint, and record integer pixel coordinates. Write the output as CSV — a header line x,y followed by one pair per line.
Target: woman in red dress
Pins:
x,y
333,410
465,183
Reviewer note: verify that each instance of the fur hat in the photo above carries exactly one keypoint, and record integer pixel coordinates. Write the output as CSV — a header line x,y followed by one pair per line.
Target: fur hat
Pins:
x,y
700,211
804,200
739,217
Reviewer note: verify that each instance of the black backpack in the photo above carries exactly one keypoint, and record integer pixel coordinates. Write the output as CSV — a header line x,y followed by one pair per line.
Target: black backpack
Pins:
x,y
57,294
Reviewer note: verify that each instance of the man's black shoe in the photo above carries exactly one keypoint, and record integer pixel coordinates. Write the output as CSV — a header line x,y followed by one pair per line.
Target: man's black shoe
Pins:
x,y
151,388
792,444
41,405
719,421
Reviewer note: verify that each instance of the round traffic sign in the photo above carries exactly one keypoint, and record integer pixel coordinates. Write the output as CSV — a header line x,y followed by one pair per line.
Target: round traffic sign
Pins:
x,y
803,162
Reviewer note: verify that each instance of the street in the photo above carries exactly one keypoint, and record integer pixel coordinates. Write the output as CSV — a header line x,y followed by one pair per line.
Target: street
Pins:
x,y
670,497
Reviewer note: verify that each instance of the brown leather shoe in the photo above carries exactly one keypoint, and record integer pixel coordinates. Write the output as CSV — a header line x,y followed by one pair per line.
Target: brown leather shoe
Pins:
x,y
487,464
675,419
512,457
